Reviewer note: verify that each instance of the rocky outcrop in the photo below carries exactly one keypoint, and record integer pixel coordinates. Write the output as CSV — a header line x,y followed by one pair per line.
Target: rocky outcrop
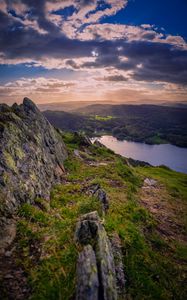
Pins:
x,y
98,144
82,140
148,182
118,261
32,153
136,163
91,234
88,281
100,194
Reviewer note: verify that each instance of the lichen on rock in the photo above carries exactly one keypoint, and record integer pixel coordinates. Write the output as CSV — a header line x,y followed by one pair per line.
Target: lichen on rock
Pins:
x,y
87,276
94,234
32,153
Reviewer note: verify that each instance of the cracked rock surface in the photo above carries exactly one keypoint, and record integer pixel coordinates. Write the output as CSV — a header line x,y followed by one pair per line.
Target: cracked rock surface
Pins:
x,y
32,153
91,233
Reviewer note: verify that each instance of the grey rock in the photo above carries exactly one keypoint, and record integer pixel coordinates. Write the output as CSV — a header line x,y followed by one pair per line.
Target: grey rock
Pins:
x,y
86,228
82,140
32,153
135,163
77,154
99,144
93,188
103,198
150,182
8,235
87,276
86,231
100,194
90,230
8,253
118,261
92,216
106,267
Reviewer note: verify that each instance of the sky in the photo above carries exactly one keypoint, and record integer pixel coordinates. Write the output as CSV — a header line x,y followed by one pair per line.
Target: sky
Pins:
x,y
128,51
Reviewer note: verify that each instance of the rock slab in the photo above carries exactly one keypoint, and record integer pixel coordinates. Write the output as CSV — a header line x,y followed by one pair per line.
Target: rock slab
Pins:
x,y
90,231
87,276
32,153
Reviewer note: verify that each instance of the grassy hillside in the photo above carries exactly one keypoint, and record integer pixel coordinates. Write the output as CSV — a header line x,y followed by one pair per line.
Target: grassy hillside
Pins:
x,y
152,124
150,221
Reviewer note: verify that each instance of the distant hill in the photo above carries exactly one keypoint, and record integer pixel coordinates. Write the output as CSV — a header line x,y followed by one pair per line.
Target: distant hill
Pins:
x,y
73,106
133,110
65,120
152,124
69,106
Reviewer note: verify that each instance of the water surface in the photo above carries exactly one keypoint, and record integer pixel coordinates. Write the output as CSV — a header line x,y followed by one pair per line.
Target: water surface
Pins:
x,y
165,154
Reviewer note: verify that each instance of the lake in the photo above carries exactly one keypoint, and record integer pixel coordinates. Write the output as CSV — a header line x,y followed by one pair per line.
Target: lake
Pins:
x,y
165,154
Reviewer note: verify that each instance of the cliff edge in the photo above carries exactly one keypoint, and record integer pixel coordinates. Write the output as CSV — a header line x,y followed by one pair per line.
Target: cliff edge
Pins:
x,y
32,153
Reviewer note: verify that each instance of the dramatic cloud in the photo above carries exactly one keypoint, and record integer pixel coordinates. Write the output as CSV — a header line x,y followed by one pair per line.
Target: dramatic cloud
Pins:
x,y
39,87
73,35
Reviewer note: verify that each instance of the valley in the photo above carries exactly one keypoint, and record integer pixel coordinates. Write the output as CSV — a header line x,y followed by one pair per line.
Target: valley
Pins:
x,y
151,124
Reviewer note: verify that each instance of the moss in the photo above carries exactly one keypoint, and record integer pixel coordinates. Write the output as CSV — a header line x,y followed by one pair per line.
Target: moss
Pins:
x,y
33,177
6,177
10,161
19,153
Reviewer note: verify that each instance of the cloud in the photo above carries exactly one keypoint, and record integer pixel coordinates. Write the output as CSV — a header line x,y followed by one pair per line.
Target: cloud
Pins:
x,y
37,87
129,33
44,90
89,12
40,33
113,78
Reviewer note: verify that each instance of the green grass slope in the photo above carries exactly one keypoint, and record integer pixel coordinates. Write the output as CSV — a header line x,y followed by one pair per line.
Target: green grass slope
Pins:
x,y
154,248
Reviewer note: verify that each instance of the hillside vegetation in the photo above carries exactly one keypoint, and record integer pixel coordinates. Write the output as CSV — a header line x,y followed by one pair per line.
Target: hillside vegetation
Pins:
x,y
151,124
149,219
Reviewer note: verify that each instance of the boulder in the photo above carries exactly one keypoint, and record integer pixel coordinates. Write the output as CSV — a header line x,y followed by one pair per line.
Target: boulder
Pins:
x,y
87,276
103,198
118,261
106,266
90,231
150,182
99,144
86,231
32,153
82,140
100,194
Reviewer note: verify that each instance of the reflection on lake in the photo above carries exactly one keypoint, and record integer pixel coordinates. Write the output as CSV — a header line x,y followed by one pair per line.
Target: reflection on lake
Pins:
x,y
169,155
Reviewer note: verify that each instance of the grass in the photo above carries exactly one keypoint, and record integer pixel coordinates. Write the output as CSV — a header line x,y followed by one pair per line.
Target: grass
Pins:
x,y
175,182
102,118
53,275
154,267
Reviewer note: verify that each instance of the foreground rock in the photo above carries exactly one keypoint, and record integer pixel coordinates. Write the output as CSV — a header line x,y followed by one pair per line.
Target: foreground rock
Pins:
x,y
148,182
100,194
87,276
118,260
90,232
31,159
